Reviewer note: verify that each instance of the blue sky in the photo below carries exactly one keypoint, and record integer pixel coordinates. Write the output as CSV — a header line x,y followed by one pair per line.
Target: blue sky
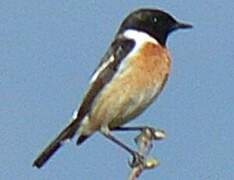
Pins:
x,y
49,50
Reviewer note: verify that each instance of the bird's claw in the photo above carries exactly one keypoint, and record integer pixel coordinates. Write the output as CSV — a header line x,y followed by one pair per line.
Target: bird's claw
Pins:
x,y
152,133
138,160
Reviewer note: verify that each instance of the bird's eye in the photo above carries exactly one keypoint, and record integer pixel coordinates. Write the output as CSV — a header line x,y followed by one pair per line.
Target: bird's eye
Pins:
x,y
155,19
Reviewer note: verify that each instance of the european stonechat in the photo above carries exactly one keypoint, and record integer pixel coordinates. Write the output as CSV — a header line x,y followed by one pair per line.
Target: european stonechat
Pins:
x,y
128,79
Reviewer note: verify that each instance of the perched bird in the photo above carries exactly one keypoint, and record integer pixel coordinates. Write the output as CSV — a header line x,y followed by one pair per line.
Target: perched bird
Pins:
x,y
128,79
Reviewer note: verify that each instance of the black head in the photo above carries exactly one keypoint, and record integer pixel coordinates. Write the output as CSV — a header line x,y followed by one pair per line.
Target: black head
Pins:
x,y
156,23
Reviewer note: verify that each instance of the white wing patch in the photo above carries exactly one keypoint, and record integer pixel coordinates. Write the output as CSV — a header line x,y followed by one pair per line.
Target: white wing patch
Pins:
x,y
74,115
101,68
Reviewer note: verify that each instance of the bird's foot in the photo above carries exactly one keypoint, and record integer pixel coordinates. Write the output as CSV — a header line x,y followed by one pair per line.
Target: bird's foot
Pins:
x,y
153,134
137,160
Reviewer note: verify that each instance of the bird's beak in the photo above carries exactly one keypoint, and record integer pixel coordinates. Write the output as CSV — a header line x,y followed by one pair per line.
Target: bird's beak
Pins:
x,y
181,25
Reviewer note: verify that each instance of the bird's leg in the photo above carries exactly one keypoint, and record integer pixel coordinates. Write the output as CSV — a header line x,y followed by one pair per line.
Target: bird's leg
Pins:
x,y
137,157
145,138
152,133
137,128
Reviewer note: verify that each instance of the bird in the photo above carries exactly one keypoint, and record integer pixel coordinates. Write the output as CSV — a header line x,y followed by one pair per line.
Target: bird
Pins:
x,y
129,77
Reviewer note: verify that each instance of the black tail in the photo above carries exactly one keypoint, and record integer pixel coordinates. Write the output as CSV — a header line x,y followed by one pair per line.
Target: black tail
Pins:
x,y
82,139
66,134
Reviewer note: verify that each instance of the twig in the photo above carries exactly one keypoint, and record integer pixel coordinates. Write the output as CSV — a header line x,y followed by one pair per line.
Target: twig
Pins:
x,y
144,143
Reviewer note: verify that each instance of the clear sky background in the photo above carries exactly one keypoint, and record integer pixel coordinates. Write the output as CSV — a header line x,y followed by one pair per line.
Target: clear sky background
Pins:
x,y
49,50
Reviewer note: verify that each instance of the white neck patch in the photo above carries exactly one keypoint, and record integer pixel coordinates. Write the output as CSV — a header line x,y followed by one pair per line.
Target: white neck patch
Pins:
x,y
140,37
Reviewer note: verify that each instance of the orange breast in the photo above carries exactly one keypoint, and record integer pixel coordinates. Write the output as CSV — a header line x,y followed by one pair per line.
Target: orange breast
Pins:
x,y
150,65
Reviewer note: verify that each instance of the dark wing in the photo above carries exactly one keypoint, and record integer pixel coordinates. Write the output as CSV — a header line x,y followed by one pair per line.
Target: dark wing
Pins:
x,y
116,53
